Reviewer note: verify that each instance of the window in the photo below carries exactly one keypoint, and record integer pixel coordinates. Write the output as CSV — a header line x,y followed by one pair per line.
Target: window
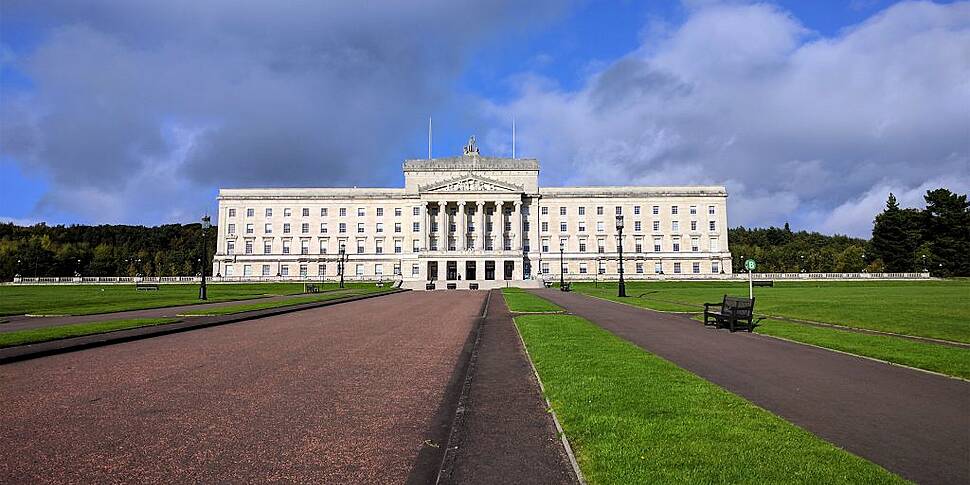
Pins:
x,y
636,210
545,268
710,210
599,210
230,271
397,269
304,246
636,226
675,226
380,227
361,212
232,228
657,268
250,212
545,245
656,226
416,211
715,267
673,210
398,246
453,227
544,211
305,228
695,244
676,245
287,212
306,212
232,212
693,210
434,226
562,211
397,227
415,245
323,245
602,267
712,226
379,246
249,247
284,270
676,268
360,228
230,247
695,268
380,212
268,247
715,244
638,246
565,268
343,212
582,268
397,212
601,246
582,226
323,228
415,269
286,228
545,226
619,210
639,268
323,213
657,243
416,227
342,227
562,227
359,270
286,246
268,228
582,211
600,227
265,271
693,225
655,210
360,246
564,243
269,212
582,245
322,269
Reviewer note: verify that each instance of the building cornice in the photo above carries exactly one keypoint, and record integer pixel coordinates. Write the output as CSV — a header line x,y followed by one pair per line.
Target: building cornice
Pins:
x,y
470,162
634,191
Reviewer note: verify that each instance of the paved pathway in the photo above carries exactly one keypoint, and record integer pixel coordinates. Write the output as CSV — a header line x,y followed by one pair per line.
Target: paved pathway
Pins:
x,y
341,394
506,436
913,423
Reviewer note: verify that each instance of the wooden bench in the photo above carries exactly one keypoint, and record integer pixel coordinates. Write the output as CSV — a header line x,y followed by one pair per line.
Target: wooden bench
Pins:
x,y
769,283
734,313
547,284
429,286
565,287
146,286
311,288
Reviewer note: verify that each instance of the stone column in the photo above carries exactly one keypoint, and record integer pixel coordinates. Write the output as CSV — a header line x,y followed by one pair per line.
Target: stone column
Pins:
x,y
443,226
462,227
498,228
517,226
480,241
426,225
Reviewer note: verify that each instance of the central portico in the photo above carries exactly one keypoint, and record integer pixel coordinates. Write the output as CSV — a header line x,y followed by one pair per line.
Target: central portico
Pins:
x,y
476,211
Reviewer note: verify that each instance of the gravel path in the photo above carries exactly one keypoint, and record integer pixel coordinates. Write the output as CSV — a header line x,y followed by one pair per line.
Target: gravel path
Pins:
x,y
341,394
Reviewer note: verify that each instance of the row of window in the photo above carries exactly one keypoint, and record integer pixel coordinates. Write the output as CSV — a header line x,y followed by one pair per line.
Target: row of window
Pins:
x,y
303,270
637,226
398,211
696,267
324,211
714,245
618,210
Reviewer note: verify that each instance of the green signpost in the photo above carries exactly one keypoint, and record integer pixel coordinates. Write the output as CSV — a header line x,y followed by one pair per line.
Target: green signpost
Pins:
x,y
750,266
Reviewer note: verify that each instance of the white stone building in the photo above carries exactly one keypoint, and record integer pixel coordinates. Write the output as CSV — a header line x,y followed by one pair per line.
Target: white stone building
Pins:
x,y
472,220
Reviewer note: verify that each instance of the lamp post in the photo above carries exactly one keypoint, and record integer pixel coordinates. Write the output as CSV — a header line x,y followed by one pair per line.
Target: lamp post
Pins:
x,y
619,229
206,224
340,264
562,265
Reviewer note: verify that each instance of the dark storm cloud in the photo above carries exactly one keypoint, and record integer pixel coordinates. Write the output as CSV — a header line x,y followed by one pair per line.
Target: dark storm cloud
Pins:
x,y
169,97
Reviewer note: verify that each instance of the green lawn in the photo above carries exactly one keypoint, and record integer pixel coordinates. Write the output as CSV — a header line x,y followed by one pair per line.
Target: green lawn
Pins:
x,y
90,299
263,305
632,417
935,309
21,337
519,300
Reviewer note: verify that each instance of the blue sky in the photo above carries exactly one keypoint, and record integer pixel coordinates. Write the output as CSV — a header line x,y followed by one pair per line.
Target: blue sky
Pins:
x,y
102,120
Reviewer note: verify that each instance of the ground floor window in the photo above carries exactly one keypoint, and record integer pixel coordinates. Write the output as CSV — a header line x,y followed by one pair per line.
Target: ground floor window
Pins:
x,y
322,269
657,268
696,268
582,268
639,268
676,268
378,269
265,270
415,269
602,267
284,270
247,270
397,269
359,270
715,267
545,268
303,271
230,271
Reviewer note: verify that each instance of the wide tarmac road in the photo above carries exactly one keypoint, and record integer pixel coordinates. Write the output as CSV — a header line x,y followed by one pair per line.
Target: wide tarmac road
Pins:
x,y
342,394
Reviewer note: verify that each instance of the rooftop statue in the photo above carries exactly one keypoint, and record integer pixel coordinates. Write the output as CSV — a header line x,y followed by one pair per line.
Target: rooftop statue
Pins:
x,y
471,147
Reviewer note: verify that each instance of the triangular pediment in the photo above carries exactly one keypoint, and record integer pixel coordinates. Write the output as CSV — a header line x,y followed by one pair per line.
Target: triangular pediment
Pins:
x,y
471,183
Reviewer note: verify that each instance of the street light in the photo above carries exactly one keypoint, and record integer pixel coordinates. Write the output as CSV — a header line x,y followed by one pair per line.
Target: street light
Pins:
x,y
562,266
206,224
340,265
619,229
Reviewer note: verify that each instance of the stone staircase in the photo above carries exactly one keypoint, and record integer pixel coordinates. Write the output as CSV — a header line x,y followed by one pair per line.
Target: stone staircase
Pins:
x,y
465,284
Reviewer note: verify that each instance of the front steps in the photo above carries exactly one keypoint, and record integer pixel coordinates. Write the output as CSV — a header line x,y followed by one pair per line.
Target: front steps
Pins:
x,y
467,284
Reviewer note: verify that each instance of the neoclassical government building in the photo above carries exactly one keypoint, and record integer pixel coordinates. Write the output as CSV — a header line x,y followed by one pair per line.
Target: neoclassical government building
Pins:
x,y
472,220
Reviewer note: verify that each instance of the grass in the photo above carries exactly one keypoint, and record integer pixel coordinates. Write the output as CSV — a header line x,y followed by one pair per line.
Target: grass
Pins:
x,y
632,417
32,336
519,300
934,309
91,299
324,296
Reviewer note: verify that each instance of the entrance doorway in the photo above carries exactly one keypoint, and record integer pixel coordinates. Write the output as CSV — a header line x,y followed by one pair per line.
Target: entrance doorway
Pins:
x,y
451,270
489,270
432,270
470,271
509,269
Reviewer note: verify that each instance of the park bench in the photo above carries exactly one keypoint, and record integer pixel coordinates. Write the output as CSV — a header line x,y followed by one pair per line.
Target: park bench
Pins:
x,y
380,284
733,313
769,283
565,287
146,286
311,288
472,286
429,286
547,284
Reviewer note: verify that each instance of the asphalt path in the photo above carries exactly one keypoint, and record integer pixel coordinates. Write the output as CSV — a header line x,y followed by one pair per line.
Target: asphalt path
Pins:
x,y
913,423
341,394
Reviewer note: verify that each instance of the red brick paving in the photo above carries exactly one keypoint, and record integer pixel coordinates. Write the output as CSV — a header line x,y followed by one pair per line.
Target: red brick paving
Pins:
x,y
341,394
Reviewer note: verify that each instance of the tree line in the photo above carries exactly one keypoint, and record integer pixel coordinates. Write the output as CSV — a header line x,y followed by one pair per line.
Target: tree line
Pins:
x,y
936,239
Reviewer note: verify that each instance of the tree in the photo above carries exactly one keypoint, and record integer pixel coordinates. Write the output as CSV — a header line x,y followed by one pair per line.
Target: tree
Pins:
x,y
946,232
895,237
